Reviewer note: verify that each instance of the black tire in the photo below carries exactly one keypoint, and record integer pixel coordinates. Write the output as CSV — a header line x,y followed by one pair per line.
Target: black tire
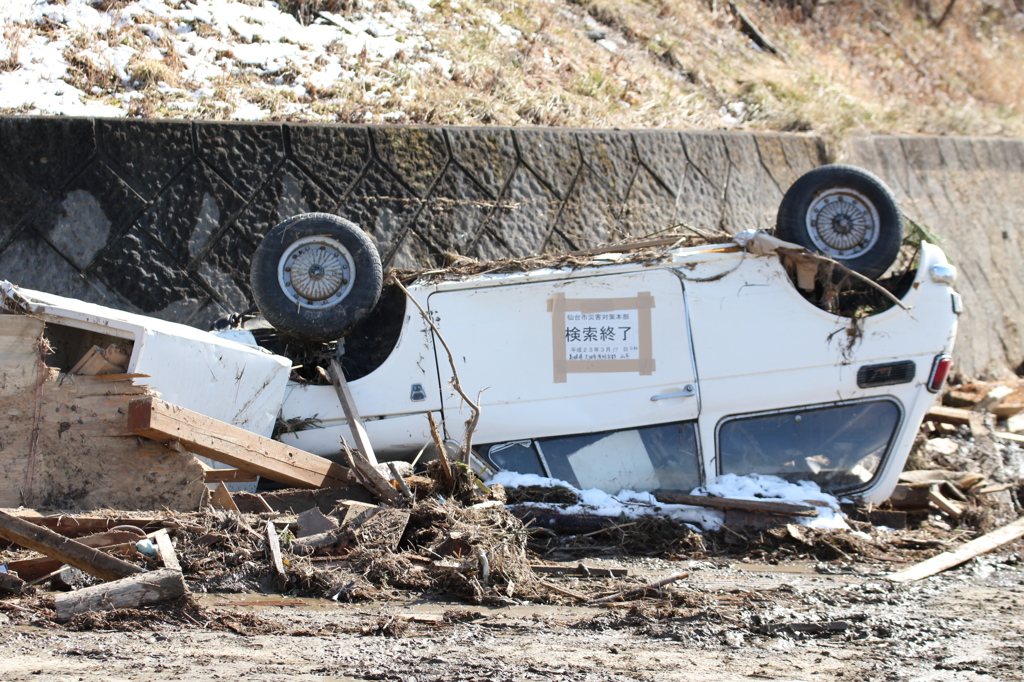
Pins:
x,y
845,213
340,278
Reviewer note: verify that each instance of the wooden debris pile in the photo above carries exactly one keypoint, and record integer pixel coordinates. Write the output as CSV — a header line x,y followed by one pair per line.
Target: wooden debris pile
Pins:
x,y
966,465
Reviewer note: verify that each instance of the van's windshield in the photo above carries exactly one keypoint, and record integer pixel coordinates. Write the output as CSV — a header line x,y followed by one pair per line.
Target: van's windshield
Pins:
x,y
840,447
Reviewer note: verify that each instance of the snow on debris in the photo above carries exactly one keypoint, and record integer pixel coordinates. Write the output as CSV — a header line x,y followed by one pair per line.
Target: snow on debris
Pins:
x,y
632,504
214,58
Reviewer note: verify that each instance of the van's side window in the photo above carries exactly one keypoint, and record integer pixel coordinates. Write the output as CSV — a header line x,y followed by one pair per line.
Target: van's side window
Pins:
x,y
840,447
660,457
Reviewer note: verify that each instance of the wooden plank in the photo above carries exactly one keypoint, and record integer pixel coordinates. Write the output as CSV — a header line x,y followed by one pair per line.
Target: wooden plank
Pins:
x,y
348,404
759,506
82,557
1006,435
978,546
94,362
274,555
949,415
223,442
165,549
221,498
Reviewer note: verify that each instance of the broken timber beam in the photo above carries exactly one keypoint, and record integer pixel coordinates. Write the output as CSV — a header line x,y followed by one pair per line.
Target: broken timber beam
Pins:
x,y
45,541
976,547
274,556
131,592
760,506
957,416
223,442
348,404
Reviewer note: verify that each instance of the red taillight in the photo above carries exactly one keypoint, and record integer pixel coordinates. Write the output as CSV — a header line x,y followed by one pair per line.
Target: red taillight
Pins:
x,y
940,368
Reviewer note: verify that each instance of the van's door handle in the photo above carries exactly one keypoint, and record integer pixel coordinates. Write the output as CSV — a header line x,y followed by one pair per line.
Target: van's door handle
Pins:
x,y
687,392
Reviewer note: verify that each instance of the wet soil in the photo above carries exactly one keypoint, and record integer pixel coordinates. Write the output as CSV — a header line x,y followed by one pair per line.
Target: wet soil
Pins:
x,y
727,620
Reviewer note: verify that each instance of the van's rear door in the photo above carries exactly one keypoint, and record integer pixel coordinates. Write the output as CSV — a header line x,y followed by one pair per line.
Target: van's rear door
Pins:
x,y
568,356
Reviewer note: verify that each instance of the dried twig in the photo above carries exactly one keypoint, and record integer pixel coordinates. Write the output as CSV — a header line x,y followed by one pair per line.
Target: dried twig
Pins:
x,y
563,591
467,441
639,591
442,454
946,13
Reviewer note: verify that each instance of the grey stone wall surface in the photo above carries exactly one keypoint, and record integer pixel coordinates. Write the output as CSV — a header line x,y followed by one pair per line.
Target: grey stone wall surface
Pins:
x,y
969,192
163,217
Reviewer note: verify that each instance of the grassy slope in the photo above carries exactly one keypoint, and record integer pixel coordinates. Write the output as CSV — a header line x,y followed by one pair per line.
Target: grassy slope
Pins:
x,y
863,65
853,65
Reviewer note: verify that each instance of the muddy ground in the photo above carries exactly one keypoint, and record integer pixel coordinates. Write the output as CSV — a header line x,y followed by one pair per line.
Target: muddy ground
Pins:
x,y
725,621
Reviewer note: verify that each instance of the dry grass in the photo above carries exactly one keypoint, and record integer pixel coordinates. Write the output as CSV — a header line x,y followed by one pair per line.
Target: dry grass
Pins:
x,y
867,65
88,75
14,38
843,67
151,72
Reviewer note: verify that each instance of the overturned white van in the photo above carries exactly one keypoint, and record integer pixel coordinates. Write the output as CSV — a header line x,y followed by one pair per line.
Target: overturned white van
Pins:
x,y
652,372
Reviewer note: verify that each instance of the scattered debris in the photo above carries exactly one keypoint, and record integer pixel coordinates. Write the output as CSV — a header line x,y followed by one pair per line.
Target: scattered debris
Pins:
x,y
88,559
364,531
969,550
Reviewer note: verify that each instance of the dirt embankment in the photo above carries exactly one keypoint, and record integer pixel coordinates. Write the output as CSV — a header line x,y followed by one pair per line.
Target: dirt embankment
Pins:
x,y
899,66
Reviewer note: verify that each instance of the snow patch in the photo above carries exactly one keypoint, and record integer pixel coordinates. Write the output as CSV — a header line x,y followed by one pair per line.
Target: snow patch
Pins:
x,y
632,504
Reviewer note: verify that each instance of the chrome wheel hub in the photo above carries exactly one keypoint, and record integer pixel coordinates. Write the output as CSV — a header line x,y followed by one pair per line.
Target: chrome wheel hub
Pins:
x,y
842,223
316,272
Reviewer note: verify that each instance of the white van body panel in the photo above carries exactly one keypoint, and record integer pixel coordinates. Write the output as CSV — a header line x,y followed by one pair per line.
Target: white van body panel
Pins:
x,y
581,367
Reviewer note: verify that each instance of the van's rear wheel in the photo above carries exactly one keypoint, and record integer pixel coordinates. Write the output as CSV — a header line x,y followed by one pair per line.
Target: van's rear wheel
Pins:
x,y
315,276
845,213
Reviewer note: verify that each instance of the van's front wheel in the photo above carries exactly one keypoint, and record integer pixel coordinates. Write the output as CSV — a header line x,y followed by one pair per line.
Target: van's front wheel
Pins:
x,y
315,276
845,213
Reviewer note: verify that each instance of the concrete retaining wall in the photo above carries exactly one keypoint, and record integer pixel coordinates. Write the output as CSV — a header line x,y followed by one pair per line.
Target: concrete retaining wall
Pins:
x,y
970,192
162,217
